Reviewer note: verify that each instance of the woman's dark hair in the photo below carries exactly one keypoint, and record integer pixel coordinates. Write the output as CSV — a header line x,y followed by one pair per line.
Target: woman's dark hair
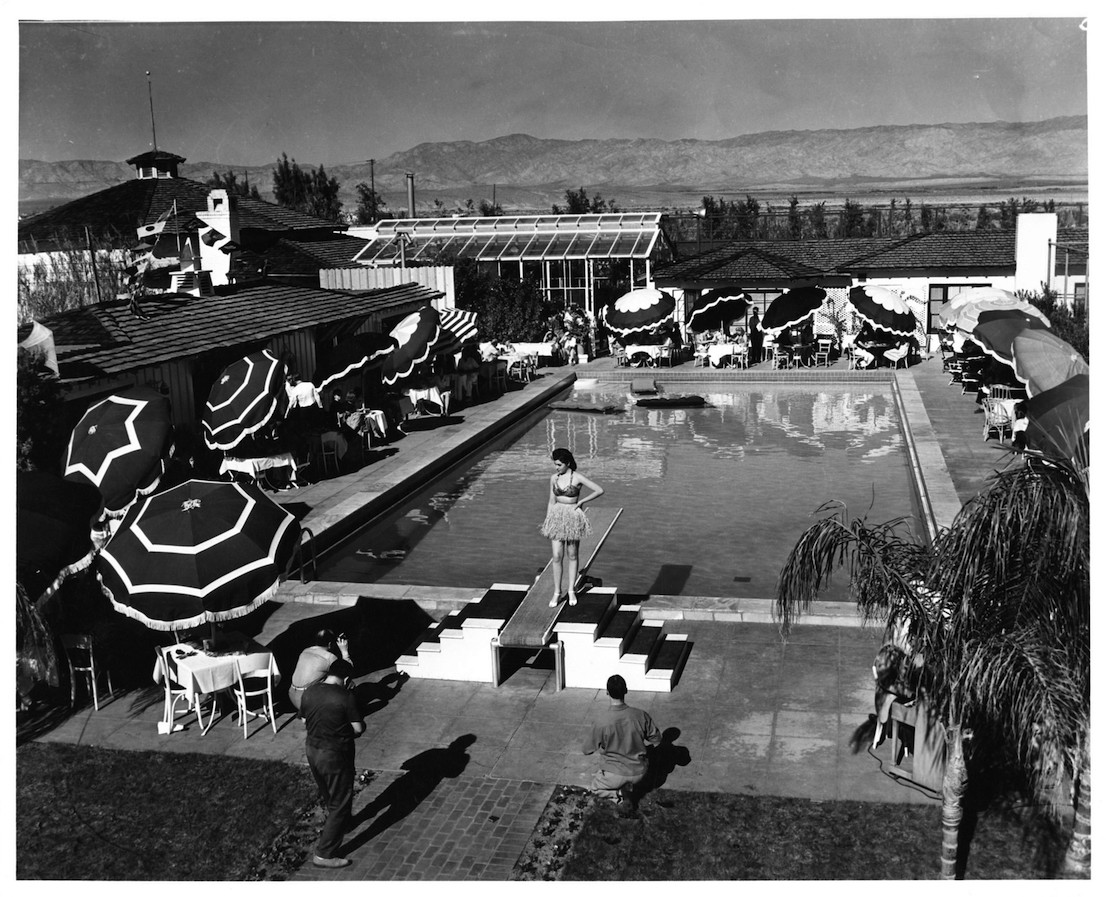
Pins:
x,y
563,454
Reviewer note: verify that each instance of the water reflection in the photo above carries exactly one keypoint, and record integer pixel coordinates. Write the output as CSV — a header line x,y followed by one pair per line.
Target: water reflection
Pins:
x,y
718,493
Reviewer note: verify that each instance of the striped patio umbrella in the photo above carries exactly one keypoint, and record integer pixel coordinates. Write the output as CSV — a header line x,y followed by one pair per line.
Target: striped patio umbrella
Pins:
x,y
248,395
416,336
885,309
1042,360
1059,420
715,308
968,314
121,445
458,330
362,351
53,529
995,331
792,307
638,312
201,552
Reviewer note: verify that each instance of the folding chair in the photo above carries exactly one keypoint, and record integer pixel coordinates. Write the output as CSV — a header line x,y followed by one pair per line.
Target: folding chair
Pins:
x,y
82,659
255,674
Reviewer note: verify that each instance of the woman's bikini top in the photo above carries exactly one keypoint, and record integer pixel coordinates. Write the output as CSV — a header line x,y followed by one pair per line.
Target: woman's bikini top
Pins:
x,y
570,491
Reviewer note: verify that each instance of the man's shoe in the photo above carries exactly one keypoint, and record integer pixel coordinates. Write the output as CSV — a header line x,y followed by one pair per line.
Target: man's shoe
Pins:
x,y
331,862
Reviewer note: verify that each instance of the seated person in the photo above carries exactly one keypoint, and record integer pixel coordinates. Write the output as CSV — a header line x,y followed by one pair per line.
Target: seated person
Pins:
x,y
339,408
895,676
314,661
806,335
740,338
784,339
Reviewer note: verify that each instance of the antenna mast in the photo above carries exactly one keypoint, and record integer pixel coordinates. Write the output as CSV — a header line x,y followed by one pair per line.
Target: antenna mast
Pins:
x,y
150,91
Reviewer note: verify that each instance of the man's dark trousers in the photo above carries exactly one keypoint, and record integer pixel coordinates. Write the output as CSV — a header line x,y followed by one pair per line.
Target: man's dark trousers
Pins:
x,y
333,771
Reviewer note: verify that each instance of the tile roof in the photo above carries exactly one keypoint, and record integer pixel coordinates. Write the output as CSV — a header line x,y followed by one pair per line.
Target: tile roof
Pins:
x,y
107,339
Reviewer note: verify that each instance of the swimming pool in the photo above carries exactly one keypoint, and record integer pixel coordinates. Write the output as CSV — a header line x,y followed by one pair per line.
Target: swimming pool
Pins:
x,y
714,497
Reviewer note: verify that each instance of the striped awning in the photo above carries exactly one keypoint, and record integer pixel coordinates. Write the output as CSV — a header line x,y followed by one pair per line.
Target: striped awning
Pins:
x,y
458,330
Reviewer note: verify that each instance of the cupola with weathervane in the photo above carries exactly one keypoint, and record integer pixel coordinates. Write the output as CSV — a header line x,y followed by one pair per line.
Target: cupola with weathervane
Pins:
x,y
156,164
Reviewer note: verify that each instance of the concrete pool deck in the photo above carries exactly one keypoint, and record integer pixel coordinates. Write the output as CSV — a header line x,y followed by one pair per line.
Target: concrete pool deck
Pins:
x,y
755,715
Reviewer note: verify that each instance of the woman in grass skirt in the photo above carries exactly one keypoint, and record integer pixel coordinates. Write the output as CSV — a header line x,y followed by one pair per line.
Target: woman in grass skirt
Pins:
x,y
565,521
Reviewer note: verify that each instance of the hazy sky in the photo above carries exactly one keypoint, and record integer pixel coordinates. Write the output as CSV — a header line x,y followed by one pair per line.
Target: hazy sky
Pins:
x,y
335,92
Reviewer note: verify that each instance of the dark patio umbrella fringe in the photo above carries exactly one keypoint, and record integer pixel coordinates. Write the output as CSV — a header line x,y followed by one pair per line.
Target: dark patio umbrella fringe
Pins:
x,y
66,572
190,622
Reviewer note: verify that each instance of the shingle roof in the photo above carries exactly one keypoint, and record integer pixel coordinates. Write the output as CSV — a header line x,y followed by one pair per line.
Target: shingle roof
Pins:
x,y
299,256
982,250
768,260
107,339
116,212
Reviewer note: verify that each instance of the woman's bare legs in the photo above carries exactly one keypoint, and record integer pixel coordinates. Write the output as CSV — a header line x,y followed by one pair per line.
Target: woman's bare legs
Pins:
x,y
573,567
558,554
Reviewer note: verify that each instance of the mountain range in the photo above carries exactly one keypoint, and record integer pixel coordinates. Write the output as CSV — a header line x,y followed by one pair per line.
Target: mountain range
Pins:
x,y
531,173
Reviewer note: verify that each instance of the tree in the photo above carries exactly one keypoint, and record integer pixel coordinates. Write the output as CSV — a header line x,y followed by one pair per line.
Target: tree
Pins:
x,y
794,218
489,209
852,220
925,219
509,309
229,182
996,612
370,205
908,216
816,216
39,429
311,191
747,216
578,203
984,218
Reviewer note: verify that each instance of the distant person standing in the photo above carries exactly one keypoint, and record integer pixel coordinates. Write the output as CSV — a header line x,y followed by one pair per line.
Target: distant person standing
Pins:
x,y
333,720
756,337
621,737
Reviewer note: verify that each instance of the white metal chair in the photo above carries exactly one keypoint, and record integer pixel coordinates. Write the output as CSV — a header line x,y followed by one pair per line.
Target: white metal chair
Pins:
x,y
500,377
701,356
664,355
255,674
822,355
177,690
996,416
739,357
897,356
768,350
82,659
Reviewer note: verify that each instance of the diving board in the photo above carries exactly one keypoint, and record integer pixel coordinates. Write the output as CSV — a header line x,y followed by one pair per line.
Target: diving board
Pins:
x,y
531,626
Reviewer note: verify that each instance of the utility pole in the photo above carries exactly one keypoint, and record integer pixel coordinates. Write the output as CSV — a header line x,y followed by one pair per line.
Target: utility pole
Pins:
x,y
150,91
372,187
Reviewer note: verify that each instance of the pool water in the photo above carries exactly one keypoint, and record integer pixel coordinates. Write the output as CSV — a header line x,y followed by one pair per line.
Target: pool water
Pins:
x,y
714,498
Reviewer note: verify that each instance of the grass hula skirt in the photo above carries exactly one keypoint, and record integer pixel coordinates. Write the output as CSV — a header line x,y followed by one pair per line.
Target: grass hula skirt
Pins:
x,y
565,523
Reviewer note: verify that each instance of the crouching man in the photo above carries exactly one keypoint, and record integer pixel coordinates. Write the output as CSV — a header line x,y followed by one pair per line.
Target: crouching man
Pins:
x,y
621,736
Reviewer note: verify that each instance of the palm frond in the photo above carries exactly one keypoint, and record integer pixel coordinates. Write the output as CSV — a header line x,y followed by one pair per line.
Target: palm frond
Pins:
x,y
880,562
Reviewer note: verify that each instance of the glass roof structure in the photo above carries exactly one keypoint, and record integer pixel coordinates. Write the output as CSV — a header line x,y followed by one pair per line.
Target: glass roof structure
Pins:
x,y
512,238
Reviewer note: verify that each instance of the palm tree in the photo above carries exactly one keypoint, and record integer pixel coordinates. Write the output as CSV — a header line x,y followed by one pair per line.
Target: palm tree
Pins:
x,y
996,612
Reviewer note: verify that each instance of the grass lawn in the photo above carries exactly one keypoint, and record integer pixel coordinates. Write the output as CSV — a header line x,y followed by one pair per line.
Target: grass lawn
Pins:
x,y
700,836
90,813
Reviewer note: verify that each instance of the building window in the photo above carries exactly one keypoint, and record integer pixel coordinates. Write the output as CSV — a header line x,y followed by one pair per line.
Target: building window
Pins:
x,y
939,294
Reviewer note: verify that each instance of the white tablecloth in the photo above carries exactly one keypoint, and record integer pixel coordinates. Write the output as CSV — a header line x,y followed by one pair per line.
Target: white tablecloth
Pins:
x,y
717,351
204,675
652,351
368,419
254,466
538,350
433,394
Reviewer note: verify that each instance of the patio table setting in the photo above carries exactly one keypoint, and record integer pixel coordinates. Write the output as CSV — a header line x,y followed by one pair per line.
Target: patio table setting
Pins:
x,y
651,352
257,468
209,670
718,352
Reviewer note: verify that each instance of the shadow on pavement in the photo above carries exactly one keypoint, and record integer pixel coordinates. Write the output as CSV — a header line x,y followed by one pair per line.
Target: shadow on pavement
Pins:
x,y
422,774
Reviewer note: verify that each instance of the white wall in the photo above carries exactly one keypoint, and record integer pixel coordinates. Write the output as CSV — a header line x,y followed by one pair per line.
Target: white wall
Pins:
x,y
439,278
1032,253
